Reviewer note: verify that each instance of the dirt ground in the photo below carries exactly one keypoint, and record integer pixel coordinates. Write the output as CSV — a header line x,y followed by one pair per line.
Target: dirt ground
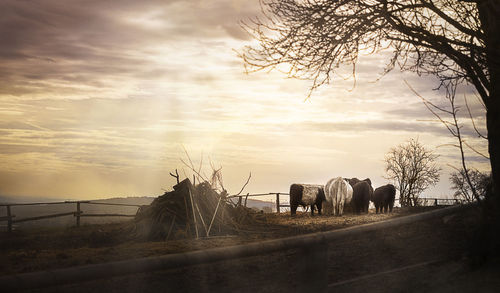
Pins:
x,y
422,256
33,250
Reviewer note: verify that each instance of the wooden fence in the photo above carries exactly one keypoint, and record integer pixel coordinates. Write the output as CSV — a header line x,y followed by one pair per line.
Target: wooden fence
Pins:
x,y
78,213
278,203
10,218
426,201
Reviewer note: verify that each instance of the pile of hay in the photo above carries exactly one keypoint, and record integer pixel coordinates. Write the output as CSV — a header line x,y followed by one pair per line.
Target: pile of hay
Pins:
x,y
191,212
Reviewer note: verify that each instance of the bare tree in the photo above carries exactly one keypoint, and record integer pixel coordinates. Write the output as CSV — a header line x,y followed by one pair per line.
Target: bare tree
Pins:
x,y
449,117
476,189
456,41
413,169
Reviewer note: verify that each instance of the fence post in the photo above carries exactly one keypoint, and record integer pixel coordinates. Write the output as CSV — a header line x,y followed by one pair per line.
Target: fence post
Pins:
x,y
78,214
239,200
9,219
313,268
278,202
435,202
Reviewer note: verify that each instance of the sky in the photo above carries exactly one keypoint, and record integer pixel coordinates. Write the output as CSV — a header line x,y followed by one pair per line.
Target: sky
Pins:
x,y
102,99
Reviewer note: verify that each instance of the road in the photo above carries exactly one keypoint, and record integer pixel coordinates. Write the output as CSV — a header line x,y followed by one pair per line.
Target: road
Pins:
x,y
426,256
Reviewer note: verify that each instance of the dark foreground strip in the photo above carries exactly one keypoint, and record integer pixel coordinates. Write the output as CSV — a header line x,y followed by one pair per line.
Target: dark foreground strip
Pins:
x,y
140,265
400,269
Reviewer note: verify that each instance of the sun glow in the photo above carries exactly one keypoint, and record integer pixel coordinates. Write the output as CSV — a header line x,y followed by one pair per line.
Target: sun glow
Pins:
x,y
114,95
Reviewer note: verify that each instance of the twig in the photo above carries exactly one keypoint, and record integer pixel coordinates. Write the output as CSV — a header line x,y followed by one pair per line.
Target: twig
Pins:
x,y
476,151
194,214
201,217
189,158
453,127
176,176
170,229
472,119
213,217
246,198
187,213
192,169
201,162
164,208
248,180
217,178
223,214
453,167
184,172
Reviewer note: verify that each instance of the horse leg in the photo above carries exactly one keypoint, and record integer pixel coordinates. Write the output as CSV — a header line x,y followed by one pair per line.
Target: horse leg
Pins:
x,y
341,206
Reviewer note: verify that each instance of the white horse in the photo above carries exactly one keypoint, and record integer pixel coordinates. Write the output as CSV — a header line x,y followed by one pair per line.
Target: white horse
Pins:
x,y
338,193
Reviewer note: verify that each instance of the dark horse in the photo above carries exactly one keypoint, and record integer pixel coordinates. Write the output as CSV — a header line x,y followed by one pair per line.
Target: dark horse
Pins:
x,y
304,195
383,198
361,194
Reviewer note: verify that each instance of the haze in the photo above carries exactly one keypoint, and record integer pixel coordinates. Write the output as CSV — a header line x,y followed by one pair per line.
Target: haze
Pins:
x,y
99,98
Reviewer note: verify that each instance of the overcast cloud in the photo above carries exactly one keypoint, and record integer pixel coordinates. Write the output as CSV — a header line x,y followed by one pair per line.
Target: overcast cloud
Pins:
x,y
98,99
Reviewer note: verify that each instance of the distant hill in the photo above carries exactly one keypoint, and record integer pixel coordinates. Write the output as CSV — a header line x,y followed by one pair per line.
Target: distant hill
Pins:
x,y
139,200
145,200
261,205
28,199
136,200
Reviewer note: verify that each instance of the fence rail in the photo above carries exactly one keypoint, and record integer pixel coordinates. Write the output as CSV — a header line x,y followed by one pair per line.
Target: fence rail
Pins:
x,y
106,215
313,262
43,217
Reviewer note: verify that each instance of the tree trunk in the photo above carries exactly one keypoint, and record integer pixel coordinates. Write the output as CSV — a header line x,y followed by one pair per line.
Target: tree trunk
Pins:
x,y
489,12
490,21
493,125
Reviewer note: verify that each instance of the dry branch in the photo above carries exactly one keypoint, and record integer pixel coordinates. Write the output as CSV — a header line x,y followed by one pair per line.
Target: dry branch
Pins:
x,y
194,214
244,185
176,176
187,206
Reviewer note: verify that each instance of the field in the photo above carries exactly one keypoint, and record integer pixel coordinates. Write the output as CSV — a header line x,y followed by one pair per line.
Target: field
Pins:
x,y
47,248
443,242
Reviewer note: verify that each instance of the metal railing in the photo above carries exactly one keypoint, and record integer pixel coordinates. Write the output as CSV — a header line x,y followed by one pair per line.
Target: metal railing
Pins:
x,y
442,201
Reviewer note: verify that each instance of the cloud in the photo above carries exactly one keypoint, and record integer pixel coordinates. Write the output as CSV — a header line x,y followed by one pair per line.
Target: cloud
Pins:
x,y
75,51
412,128
104,95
